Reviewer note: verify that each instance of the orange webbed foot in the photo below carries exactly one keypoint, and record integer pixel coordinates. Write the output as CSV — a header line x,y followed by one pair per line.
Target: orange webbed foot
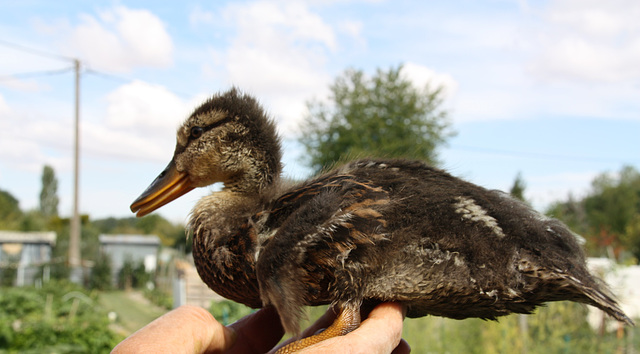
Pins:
x,y
347,320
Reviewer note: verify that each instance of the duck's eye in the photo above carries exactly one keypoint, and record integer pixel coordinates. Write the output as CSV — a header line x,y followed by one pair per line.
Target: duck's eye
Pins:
x,y
196,132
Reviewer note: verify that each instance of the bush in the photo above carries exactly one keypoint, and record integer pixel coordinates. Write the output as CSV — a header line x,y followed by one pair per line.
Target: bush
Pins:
x,y
101,278
60,317
159,298
227,311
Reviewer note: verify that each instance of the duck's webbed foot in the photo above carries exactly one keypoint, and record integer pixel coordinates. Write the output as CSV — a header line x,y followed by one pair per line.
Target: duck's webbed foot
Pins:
x,y
348,319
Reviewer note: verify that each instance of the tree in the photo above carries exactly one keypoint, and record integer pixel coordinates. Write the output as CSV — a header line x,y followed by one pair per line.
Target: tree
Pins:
x,y
609,216
517,190
101,277
10,213
49,193
384,115
613,210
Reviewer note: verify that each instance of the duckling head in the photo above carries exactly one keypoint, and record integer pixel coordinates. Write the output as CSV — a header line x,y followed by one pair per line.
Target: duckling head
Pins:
x,y
228,139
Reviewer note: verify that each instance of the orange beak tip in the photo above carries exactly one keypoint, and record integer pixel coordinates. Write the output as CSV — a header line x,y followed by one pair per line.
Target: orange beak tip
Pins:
x,y
168,186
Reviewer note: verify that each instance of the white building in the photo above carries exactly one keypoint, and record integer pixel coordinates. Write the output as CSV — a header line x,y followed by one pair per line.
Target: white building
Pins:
x,y
132,248
624,282
27,254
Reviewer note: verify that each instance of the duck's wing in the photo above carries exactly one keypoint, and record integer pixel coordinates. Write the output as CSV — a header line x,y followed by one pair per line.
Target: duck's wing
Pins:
x,y
309,233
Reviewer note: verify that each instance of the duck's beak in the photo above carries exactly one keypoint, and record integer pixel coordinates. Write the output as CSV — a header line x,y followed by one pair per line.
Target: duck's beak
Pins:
x,y
169,185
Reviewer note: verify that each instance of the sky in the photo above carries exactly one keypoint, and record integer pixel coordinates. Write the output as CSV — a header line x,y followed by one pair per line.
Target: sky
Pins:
x,y
547,89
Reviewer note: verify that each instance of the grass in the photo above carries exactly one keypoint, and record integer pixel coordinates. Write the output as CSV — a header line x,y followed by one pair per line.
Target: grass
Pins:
x,y
133,310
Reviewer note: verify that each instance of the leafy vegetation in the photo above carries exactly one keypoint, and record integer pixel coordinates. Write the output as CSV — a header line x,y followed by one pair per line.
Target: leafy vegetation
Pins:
x,y
517,190
60,317
558,328
608,216
227,311
159,298
384,115
101,276
10,213
49,194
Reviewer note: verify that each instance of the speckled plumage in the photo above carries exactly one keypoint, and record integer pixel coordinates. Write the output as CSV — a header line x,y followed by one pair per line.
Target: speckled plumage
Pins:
x,y
369,231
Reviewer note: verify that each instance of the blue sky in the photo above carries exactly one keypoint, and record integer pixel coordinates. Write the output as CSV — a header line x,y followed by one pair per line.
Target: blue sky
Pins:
x,y
547,89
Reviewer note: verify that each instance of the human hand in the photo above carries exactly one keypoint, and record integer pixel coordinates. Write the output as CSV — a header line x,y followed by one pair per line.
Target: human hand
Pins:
x,y
190,329
380,332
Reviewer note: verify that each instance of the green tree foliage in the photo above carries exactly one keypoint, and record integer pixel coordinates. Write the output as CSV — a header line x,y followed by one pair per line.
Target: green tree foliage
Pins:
x,y
133,275
140,276
517,190
227,311
609,216
60,317
49,193
125,276
384,115
614,201
10,212
101,278
32,220
572,213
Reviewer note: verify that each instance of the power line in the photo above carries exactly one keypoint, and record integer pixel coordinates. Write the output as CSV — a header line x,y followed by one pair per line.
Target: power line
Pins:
x,y
35,74
108,76
43,53
37,52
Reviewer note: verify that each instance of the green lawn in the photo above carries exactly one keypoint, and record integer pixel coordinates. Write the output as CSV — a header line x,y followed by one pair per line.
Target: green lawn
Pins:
x,y
133,310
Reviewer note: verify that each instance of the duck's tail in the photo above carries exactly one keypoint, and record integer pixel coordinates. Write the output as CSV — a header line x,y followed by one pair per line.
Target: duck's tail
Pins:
x,y
598,295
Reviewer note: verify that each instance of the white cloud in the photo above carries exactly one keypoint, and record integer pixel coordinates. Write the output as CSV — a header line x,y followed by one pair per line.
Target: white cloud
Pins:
x,y
121,39
102,141
278,52
198,16
142,105
140,121
592,40
25,85
421,76
266,23
24,139
4,108
353,29
13,152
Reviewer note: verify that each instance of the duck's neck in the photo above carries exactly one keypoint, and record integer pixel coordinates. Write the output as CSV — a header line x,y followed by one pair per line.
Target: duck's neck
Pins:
x,y
225,242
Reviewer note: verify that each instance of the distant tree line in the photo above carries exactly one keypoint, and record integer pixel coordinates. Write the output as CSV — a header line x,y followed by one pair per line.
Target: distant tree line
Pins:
x,y
608,216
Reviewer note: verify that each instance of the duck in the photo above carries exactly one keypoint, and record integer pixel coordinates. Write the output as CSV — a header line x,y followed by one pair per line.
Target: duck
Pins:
x,y
365,232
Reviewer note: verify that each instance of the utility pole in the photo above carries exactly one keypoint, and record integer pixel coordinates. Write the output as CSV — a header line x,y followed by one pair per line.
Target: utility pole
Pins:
x,y
74,237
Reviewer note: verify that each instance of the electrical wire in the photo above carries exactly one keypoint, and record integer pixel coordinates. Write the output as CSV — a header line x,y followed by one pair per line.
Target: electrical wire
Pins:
x,y
37,52
43,53
32,74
